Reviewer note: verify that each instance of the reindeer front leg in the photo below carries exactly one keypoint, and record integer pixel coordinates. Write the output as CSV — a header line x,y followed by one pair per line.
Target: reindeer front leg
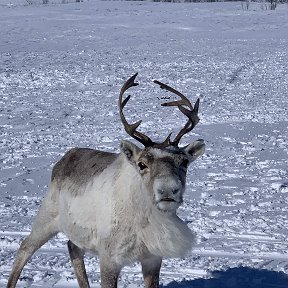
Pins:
x,y
151,270
76,256
109,273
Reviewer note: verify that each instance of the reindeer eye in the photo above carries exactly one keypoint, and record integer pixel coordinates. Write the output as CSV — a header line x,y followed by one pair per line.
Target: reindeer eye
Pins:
x,y
142,165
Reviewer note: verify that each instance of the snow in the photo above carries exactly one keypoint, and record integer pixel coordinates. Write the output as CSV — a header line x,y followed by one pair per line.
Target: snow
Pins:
x,y
61,68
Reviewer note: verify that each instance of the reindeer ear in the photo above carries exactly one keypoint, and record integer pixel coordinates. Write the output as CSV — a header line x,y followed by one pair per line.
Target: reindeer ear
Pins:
x,y
195,149
130,150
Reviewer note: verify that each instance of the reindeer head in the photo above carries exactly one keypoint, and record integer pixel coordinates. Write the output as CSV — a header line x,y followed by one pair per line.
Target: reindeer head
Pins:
x,y
162,166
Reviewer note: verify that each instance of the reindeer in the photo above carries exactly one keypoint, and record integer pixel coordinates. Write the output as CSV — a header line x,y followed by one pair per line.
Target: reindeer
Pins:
x,y
121,207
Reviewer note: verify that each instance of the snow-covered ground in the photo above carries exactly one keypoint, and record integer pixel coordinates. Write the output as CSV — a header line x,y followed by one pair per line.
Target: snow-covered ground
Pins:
x,y
61,68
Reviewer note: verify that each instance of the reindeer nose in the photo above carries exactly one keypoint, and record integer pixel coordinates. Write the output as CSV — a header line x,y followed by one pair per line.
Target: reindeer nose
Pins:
x,y
175,191
168,188
161,191
168,191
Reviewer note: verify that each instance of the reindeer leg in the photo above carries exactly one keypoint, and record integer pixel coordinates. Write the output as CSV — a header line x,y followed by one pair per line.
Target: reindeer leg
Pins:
x,y
44,228
33,242
77,259
109,273
151,271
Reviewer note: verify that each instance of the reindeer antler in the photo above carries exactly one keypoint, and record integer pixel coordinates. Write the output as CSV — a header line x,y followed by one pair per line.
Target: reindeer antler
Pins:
x,y
191,113
131,128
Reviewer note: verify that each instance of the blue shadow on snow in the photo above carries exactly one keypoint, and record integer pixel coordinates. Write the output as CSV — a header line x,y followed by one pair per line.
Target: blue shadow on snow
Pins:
x,y
241,277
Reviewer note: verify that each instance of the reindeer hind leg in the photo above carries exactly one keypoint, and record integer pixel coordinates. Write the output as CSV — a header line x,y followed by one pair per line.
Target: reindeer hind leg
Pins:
x,y
27,248
43,229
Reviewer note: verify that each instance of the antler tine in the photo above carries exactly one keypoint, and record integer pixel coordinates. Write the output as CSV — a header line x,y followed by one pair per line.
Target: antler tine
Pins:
x,y
131,128
191,114
184,100
193,119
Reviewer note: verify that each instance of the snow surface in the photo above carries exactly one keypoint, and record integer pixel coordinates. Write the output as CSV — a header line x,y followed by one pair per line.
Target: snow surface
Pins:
x,y
61,68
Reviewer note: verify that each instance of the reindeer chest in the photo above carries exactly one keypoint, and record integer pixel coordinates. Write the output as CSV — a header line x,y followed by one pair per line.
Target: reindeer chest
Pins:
x,y
124,245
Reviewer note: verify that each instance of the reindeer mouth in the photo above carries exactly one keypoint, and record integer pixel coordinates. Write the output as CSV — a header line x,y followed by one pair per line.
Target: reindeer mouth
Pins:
x,y
167,204
167,200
